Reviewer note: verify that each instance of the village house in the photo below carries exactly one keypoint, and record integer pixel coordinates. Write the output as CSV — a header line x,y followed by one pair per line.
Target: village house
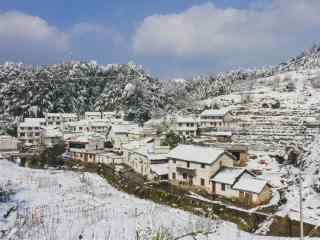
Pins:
x,y
108,157
186,126
121,134
216,136
51,136
8,144
59,119
241,185
83,126
29,131
147,157
239,151
85,147
195,165
216,119
100,115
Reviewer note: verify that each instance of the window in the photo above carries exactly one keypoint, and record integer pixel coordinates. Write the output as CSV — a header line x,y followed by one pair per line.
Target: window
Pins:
x,y
29,128
180,124
37,134
202,181
58,123
188,164
49,123
22,134
223,187
203,165
185,175
174,161
173,176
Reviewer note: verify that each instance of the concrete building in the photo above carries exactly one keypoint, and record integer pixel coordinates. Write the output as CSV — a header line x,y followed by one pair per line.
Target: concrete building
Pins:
x,y
195,165
121,134
216,119
85,126
8,144
241,185
186,126
100,115
148,158
51,136
85,147
59,119
29,131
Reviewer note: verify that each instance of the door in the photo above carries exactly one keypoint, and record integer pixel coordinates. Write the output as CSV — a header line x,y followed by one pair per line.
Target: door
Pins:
x,y
213,187
190,180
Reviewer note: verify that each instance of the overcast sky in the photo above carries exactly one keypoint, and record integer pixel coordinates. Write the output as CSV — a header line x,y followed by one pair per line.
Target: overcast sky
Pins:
x,y
170,38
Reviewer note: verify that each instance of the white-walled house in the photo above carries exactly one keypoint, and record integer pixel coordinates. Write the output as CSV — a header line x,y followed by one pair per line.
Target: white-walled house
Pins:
x,y
217,119
148,158
85,126
186,126
241,185
59,119
8,143
86,146
195,165
121,134
100,115
29,131
109,158
51,136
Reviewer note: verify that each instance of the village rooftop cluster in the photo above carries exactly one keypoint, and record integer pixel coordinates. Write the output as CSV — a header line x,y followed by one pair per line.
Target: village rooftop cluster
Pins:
x,y
203,160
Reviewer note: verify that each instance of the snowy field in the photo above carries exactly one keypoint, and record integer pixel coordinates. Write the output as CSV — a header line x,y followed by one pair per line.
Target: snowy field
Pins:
x,y
65,205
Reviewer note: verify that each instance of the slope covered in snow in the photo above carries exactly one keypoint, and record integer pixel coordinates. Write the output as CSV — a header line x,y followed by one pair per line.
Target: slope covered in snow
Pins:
x,y
64,205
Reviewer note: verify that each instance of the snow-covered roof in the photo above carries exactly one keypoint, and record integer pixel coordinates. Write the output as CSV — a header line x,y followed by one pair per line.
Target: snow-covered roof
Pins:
x,y
69,115
38,120
198,154
123,128
186,119
137,144
87,137
30,124
227,175
92,113
160,169
52,132
227,134
8,138
250,184
215,112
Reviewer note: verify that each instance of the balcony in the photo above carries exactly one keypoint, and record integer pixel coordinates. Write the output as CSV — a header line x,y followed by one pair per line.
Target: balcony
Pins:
x,y
190,172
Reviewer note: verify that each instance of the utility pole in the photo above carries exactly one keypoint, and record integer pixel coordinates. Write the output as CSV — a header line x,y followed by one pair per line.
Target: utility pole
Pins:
x,y
301,207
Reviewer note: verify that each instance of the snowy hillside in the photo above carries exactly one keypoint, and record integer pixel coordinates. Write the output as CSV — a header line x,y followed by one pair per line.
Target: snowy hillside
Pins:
x,y
77,87
86,86
64,205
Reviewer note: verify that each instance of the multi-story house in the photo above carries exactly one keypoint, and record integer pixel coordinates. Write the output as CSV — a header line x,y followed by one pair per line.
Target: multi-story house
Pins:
x,y
59,119
187,126
147,157
100,115
83,126
86,147
29,131
8,144
216,119
194,165
212,169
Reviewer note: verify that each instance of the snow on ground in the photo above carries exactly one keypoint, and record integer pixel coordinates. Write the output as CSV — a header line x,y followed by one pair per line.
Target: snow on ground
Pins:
x,y
64,205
